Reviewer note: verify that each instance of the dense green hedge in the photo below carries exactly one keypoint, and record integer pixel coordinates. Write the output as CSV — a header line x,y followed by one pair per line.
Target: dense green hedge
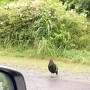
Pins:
x,y
80,5
47,24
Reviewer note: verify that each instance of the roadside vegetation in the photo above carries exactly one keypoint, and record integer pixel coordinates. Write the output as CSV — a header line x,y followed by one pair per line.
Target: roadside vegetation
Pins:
x,y
47,28
4,82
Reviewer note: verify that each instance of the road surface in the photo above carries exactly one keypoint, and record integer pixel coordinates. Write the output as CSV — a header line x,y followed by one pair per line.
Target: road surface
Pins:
x,y
66,80
39,80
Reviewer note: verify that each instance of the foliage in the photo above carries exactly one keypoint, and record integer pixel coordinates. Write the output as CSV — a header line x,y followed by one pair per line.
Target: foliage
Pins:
x,y
6,1
4,82
81,5
46,27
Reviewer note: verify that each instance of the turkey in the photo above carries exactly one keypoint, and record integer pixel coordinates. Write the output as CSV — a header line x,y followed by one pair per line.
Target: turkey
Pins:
x,y
52,67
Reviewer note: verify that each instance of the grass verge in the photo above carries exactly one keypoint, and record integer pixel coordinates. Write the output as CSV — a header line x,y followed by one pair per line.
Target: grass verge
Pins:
x,y
67,56
69,60
34,63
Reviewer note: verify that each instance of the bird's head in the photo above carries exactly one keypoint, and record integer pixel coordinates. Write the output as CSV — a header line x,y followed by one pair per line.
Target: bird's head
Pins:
x,y
50,61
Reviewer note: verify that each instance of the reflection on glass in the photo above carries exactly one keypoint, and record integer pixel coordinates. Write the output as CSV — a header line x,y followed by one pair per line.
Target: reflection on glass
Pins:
x,y
5,82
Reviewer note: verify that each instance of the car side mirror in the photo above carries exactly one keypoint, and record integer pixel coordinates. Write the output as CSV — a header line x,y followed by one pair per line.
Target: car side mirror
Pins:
x,y
11,80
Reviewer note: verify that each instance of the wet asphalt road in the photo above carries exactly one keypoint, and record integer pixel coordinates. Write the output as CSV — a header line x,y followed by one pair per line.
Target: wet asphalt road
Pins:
x,y
66,80
36,80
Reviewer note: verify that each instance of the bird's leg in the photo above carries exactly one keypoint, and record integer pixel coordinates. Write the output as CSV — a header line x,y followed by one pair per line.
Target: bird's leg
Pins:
x,y
51,75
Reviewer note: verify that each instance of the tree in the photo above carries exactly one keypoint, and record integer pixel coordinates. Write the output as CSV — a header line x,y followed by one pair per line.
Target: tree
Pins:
x,y
81,5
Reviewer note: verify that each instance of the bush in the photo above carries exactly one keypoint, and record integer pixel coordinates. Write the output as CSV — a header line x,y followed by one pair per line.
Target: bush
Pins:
x,y
80,5
27,26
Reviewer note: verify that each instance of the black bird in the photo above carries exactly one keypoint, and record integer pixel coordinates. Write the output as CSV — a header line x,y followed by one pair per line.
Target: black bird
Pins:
x,y
52,67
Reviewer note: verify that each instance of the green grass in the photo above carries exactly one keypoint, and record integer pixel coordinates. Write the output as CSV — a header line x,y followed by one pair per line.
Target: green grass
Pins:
x,y
70,60
77,56
41,64
68,56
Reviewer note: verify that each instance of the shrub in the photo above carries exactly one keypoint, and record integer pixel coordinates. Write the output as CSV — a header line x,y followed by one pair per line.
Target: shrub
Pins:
x,y
27,26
